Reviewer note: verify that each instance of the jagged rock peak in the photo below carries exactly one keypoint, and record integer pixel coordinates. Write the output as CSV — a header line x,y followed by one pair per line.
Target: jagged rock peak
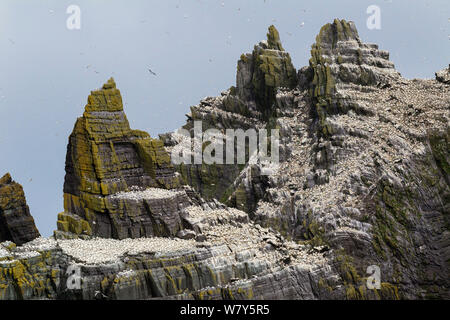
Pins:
x,y
6,179
340,57
110,84
341,66
104,157
339,61
273,39
262,72
16,223
107,98
339,30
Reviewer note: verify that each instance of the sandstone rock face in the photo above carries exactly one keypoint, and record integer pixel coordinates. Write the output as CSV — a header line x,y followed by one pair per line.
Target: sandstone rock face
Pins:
x,y
16,223
105,157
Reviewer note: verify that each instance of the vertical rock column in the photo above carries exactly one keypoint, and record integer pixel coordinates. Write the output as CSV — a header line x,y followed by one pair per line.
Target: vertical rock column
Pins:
x,y
16,223
105,157
251,104
340,62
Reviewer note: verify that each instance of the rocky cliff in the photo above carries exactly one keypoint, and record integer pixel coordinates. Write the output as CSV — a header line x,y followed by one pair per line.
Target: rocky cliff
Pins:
x,y
131,231
16,223
105,161
251,104
364,163
234,259
363,181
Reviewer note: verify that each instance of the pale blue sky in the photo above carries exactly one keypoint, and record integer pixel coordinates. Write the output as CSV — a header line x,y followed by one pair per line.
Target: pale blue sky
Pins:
x,y
47,71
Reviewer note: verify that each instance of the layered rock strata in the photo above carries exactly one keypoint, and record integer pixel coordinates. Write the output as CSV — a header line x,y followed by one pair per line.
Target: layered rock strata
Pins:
x,y
16,223
251,104
364,166
261,73
363,182
105,158
234,259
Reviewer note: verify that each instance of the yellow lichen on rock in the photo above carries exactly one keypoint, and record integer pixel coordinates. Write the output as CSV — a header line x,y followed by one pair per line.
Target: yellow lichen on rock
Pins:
x,y
105,157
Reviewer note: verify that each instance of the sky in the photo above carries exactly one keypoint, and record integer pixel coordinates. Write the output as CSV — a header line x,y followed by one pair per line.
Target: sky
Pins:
x,y
48,70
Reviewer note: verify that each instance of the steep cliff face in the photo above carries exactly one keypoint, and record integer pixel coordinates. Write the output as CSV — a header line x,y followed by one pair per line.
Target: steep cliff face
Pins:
x,y
16,223
227,257
262,72
443,75
363,181
342,64
251,104
105,157
364,165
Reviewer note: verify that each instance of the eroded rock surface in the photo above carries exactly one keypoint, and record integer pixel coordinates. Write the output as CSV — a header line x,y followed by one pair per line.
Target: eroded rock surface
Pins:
x,y
105,157
262,72
251,104
364,166
16,223
235,259
363,181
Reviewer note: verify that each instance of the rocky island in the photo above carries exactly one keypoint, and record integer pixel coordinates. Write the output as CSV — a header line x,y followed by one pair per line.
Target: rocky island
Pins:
x,y
363,182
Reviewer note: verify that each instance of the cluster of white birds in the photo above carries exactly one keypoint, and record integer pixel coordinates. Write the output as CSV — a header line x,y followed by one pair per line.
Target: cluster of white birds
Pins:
x,y
101,251
150,193
97,250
